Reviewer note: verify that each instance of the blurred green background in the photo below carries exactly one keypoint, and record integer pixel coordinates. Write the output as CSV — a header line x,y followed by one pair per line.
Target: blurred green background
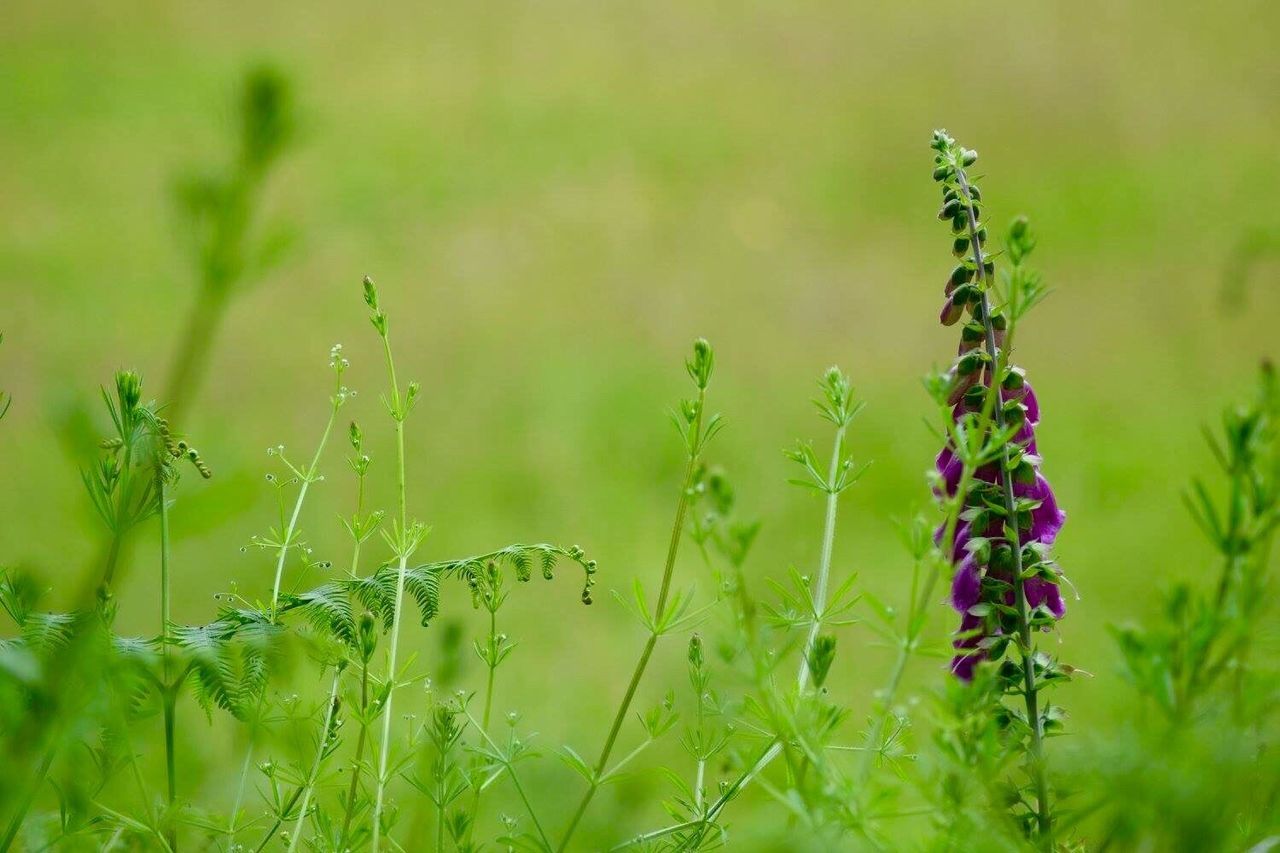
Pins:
x,y
555,198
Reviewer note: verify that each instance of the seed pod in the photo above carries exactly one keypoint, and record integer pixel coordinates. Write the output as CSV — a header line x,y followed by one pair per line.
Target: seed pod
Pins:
x,y
960,247
941,173
968,157
950,209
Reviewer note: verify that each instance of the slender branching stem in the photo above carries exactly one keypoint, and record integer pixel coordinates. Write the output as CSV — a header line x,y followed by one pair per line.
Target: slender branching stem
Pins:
x,y
287,541
492,665
833,488
357,761
310,784
27,798
405,548
280,819
169,690
824,561
921,596
309,476
673,547
515,780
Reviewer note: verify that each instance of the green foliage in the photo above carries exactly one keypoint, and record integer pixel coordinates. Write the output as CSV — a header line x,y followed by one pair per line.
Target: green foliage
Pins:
x,y
770,674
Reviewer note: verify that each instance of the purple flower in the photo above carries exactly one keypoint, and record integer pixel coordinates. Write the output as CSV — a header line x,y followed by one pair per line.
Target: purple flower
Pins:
x,y
1040,525
966,585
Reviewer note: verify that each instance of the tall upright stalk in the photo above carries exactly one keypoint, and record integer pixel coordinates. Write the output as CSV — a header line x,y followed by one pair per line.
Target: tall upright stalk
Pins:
x,y
170,689
361,528
361,738
698,431
839,408
285,543
1030,691
824,560
405,540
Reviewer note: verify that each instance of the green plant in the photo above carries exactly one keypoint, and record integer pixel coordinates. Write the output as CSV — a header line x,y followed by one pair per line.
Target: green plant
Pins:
x,y
313,667
220,209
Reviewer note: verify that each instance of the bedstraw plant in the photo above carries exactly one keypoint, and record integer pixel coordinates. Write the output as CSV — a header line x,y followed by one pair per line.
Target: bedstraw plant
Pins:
x,y
343,743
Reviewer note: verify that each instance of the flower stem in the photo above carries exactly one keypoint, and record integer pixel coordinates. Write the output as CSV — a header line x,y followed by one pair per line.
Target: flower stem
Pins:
x,y
398,406
285,544
310,474
673,547
1044,818
775,747
824,561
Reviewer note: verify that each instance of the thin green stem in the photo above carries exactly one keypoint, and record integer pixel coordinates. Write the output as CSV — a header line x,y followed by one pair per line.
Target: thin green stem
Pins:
x,y
821,584
170,690
292,527
27,798
244,778
191,362
824,561
361,738
280,818
919,600
515,780
315,766
170,702
673,547
399,413
488,706
493,667
286,544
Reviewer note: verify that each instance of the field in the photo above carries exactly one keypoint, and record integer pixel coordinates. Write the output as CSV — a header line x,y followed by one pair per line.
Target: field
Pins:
x,y
555,200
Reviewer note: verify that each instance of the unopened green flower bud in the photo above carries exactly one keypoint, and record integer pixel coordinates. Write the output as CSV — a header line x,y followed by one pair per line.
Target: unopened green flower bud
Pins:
x,y
962,274
952,310
695,651
702,362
